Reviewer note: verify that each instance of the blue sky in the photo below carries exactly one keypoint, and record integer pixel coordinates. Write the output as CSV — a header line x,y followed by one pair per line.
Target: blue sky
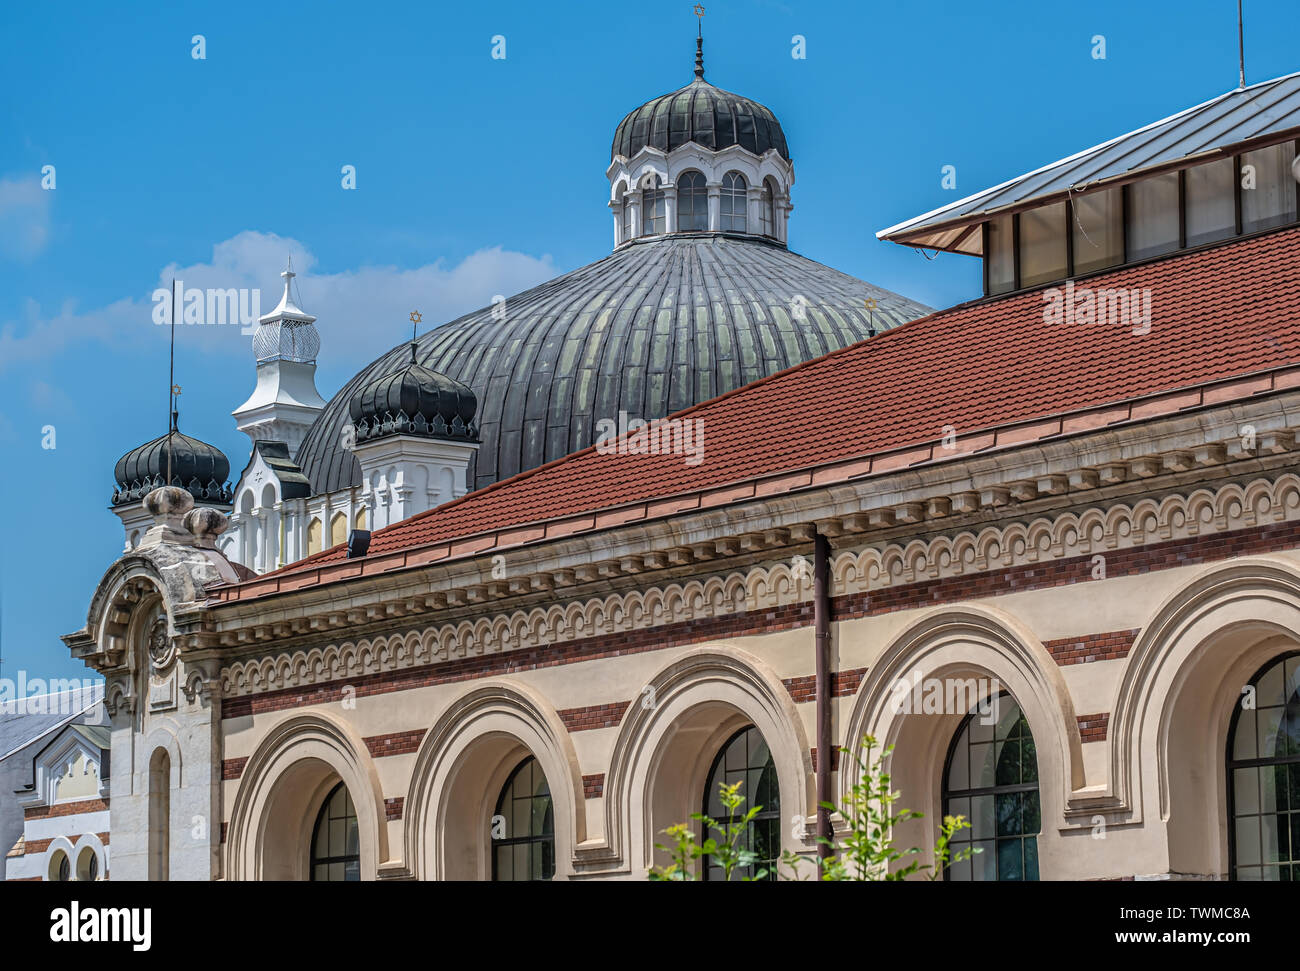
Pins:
x,y
474,177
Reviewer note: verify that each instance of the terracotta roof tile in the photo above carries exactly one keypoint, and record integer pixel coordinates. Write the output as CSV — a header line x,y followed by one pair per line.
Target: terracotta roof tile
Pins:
x,y
1216,314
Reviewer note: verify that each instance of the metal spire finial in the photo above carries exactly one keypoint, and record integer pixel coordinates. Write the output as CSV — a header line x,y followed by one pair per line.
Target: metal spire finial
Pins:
x,y
416,317
699,43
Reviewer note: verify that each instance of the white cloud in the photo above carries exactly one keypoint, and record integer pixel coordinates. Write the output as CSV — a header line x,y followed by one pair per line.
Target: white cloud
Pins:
x,y
360,313
24,217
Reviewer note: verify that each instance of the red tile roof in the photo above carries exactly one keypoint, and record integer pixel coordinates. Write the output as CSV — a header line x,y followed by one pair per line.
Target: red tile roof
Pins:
x,y
884,403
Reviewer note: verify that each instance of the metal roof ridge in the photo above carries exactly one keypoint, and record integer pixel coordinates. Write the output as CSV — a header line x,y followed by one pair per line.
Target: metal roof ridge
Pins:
x,y
1077,156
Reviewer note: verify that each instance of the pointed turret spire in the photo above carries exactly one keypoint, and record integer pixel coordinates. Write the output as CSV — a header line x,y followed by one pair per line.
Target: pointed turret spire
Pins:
x,y
286,309
285,401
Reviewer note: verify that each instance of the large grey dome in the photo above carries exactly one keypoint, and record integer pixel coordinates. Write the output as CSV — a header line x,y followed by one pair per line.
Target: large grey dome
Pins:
x,y
651,329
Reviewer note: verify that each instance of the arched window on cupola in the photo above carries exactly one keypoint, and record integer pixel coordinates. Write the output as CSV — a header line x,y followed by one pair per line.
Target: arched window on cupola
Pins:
x,y
692,203
338,529
625,215
654,207
314,530
767,211
735,202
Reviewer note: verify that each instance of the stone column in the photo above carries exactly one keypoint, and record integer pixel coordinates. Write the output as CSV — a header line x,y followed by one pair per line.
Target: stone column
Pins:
x,y
715,206
754,210
633,199
670,208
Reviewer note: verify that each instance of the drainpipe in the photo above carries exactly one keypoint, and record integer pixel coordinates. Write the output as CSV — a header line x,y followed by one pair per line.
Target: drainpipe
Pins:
x,y
822,626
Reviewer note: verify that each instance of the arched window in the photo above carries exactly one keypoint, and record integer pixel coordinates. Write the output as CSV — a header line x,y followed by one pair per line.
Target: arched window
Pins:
x,y
1264,776
654,208
991,778
338,529
523,827
768,209
314,530
745,758
361,519
735,202
160,805
62,868
335,842
87,865
692,203
627,220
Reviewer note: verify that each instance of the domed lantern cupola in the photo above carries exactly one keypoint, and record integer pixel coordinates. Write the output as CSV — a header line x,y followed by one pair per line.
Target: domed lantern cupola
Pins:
x,y
700,160
413,434
285,401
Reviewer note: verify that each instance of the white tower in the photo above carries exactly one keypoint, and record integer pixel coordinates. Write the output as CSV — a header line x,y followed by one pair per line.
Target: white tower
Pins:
x,y
285,402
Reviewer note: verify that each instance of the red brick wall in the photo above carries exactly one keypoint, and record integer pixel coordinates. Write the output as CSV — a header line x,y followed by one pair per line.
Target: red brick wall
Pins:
x,y
66,809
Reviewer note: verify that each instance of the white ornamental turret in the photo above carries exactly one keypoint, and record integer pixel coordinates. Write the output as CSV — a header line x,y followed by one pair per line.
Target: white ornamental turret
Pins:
x,y
285,402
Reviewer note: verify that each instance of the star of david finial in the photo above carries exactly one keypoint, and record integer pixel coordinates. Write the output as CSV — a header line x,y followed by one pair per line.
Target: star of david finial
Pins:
x,y
176,389
416,316
699,10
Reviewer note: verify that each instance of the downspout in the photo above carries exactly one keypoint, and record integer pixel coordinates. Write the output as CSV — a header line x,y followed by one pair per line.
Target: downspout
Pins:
x,y
822,627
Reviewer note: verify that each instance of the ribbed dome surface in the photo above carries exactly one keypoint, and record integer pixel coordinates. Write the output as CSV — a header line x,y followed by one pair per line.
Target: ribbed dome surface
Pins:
x,y
703,114
413,400
197,466
650,329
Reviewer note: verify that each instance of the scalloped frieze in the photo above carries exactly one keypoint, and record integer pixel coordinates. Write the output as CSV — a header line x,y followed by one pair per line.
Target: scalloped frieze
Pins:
x,y
873,567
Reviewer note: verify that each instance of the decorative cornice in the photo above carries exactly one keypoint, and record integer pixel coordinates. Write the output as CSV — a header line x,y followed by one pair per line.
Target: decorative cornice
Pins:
x,y
1094,531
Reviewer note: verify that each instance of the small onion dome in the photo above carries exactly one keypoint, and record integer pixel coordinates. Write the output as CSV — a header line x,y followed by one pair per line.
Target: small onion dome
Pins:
x,y
700,113
197,467
414,400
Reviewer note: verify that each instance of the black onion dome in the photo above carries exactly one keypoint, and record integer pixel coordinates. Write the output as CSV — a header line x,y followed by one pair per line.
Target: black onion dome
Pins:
x,y
700,113
413,400
653,328
199,468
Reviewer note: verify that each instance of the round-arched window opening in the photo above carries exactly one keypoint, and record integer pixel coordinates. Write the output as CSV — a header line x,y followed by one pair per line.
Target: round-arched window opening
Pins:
x,y
767,211
61,868
335,841
734,204
87,865
654,207
523,826
991,779
745,758
692,203
1263,767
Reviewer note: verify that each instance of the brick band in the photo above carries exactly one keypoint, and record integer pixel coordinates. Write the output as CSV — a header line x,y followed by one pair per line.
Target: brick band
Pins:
x,y
1092,728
